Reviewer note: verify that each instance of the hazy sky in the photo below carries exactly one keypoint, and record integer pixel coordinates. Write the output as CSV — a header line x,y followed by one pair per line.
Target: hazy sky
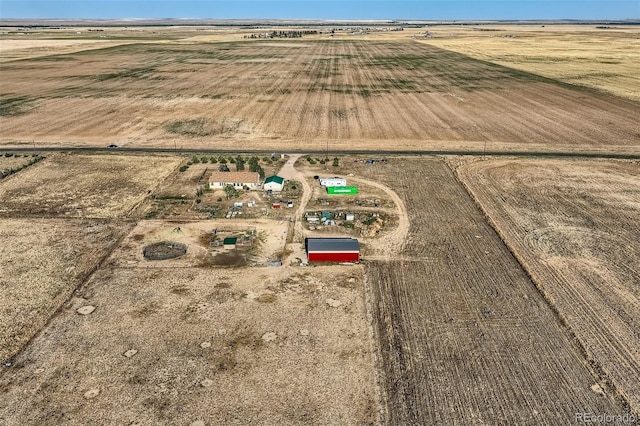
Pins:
x,y
323,9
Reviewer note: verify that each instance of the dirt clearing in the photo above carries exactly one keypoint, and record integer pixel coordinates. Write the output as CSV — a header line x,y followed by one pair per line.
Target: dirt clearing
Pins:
x,y
574,225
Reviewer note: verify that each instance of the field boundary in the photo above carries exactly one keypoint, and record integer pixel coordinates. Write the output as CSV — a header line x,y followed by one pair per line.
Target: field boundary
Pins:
x,y
594,367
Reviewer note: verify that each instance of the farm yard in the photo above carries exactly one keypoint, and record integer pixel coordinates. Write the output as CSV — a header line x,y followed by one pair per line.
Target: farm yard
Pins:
x,y
489,290
391,95
576,230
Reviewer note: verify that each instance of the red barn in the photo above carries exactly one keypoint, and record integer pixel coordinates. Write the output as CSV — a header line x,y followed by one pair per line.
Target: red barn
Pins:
x,y
332,249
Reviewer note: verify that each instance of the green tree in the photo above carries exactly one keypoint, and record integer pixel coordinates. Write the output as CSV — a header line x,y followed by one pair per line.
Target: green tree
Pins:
x,y
231,192
239,163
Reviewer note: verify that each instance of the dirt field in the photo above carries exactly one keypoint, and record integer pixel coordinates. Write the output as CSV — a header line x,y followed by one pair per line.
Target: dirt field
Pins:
x,y
215,346
606,58
83,185
463,333
270,237
43,261
575,227
297,95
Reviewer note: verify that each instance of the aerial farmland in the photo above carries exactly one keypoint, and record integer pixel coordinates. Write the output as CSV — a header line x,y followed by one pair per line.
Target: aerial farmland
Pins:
x,y
493,203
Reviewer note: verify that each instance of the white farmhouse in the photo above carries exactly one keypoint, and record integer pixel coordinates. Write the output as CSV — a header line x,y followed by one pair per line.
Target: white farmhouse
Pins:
x,y
239,180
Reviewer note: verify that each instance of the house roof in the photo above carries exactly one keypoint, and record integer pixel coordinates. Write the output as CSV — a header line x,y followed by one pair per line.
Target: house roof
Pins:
x,y
332,245
276,179
239,177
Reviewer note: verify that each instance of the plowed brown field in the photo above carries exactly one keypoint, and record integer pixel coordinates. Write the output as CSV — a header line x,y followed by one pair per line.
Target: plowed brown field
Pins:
x,y
294,95
465,337
575,226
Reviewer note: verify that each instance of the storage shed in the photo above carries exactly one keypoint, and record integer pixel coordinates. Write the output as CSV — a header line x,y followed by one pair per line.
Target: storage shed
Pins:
x,y
342,190
332,249
334,181
230,243
273,183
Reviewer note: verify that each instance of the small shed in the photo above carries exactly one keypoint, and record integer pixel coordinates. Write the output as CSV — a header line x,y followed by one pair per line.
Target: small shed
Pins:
x,y
273,183
332,249
230,242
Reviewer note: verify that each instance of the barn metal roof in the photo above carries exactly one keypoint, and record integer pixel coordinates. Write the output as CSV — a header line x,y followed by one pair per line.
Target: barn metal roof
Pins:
x,y
332,245
276,179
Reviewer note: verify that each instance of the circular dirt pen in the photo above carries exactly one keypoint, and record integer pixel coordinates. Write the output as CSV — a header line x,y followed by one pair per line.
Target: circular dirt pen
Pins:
x,y
164,250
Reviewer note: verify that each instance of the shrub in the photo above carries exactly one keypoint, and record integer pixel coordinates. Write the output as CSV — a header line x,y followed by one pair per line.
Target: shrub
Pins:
x,y
183,168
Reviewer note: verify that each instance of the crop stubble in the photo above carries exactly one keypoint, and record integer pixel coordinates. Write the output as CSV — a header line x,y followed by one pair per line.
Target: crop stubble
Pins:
x,y
464,335
574,226
288,95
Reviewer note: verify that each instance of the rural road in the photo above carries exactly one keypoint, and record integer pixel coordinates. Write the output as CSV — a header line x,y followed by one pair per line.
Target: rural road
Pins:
x,y
374,153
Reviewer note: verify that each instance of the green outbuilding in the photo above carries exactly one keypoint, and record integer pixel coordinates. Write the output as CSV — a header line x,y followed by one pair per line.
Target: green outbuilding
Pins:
x,y
273,183
342,190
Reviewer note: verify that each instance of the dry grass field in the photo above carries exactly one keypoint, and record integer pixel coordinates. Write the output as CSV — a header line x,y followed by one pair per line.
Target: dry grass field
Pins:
x,y
182,345
297,95
99,186
606,59
464,336
575,226
42,262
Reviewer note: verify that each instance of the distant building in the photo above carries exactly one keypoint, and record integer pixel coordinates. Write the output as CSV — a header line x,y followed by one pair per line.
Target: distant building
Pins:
x,y
273,183
332,249
239,180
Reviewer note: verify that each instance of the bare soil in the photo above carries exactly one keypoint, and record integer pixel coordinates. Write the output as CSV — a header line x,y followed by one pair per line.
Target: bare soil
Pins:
x,y
574,225
462,331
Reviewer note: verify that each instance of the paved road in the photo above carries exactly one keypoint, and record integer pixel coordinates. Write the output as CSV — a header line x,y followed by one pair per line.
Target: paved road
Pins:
x,y
371,153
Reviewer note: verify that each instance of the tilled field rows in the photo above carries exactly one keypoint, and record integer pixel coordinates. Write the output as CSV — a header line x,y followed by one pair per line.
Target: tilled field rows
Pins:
x,y
464,335
575,226
288,94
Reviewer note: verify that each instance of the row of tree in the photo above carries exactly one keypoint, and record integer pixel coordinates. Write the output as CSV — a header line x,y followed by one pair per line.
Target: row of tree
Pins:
x,y
282,34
